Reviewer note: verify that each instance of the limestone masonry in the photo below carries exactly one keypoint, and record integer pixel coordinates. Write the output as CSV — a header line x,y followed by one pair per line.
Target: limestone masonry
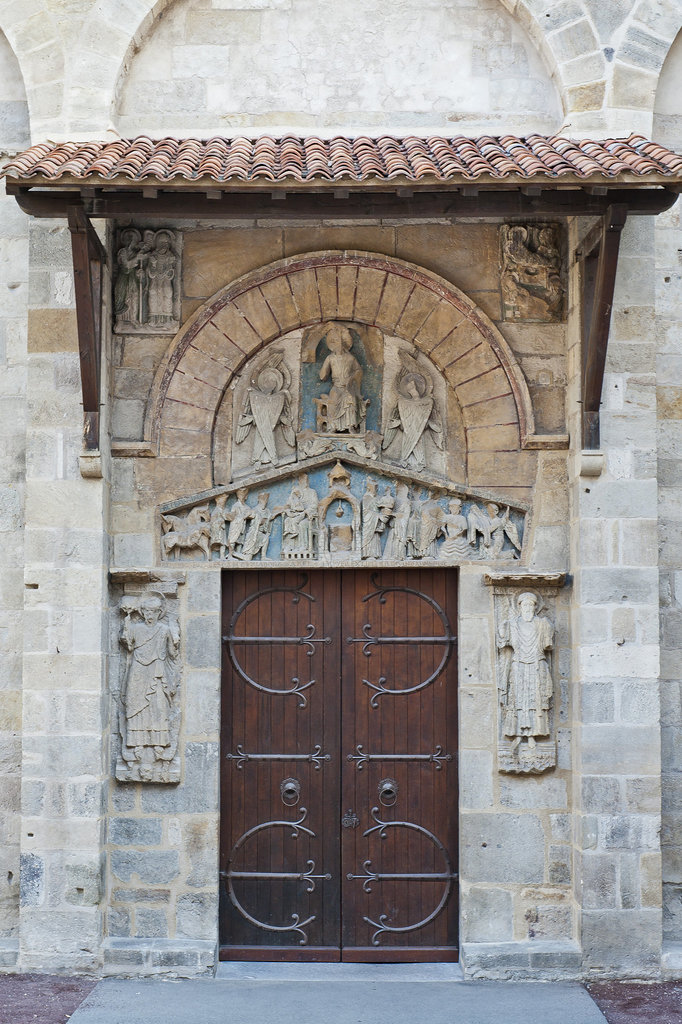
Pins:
x,y
375,357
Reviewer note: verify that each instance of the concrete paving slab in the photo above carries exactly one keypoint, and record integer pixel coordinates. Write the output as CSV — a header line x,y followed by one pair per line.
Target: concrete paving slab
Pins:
x,y
344,1000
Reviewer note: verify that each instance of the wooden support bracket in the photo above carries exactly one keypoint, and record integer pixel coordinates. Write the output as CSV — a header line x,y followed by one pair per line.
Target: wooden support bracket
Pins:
x,y
599,263
89,258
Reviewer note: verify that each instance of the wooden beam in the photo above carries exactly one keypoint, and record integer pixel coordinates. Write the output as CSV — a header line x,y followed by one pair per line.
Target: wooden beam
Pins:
x,y
599,279
253,204
88,259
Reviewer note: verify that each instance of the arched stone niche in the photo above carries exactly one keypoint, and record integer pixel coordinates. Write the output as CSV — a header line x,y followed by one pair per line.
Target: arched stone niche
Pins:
x,y
440,401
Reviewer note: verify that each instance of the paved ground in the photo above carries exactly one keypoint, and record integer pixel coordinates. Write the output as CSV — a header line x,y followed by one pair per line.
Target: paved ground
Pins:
x,y
332,994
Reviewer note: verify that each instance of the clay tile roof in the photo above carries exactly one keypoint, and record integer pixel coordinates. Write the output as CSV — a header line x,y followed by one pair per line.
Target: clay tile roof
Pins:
x,y
312,159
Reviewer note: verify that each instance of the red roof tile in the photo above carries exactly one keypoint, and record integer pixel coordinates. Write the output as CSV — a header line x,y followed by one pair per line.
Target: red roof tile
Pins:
x,y
313,159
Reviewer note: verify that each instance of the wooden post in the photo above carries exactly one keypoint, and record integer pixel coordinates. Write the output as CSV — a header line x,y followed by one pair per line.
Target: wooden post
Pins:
x,y
598,285
88,257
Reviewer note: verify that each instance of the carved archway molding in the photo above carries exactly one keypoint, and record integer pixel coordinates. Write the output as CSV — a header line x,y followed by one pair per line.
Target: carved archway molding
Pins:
x,y
398,297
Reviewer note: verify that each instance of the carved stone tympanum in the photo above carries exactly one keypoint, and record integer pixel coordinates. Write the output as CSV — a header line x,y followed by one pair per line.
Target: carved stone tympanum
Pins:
x,y
149,717
146,288
524,641
532,288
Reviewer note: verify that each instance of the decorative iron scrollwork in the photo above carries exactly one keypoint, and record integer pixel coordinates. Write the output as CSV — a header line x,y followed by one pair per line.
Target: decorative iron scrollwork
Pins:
x,y
369,877
307,876
361,758
368,641
316,757
350,819
308,641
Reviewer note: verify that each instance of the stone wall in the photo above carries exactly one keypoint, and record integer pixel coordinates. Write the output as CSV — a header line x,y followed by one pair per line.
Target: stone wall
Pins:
x,y
122,876
668,333
14,294
302,66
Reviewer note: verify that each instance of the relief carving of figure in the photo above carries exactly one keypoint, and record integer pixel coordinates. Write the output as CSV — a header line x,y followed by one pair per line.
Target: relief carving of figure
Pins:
x,y
150,687
160,267
266,406
493,528
396,545
343,409
145,290
414,413
456,545
238,517
217,525
531,273
258,532
300,521
377,511
127,290
186,532
524,641
424,528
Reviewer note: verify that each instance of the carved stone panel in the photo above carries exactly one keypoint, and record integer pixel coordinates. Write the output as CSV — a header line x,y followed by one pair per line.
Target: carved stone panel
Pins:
x,y
532,285
147,294
525,644
341,510
148,697
339,387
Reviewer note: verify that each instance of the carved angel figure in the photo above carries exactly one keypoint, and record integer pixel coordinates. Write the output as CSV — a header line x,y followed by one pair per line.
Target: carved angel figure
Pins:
x,y
414,413
266,406
493,528
525,681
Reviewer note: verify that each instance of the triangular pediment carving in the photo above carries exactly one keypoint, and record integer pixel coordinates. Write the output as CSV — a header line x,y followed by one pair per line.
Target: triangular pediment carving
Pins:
x,y
342,509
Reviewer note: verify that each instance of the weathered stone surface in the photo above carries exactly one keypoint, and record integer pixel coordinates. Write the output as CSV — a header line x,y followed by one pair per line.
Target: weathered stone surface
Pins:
x,y
502,848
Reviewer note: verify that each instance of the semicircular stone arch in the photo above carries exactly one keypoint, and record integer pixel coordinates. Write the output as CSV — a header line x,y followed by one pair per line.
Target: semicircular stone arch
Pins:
x,y
400,299
109,68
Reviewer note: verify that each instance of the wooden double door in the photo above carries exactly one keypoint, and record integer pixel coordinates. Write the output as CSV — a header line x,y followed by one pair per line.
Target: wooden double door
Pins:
x,y
339,769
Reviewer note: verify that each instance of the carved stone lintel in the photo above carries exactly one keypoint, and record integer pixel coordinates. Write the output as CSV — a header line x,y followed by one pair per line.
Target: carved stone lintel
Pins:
x,y
148,698
525,579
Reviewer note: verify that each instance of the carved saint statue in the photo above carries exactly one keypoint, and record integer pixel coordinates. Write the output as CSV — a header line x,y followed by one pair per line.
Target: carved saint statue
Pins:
x,y
266,406
218,519
300,521
377,511
145,290
414,413
455,546
160,267
258,532
238,517
127,288
424,528
525,641
343,409
150,685
396,545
